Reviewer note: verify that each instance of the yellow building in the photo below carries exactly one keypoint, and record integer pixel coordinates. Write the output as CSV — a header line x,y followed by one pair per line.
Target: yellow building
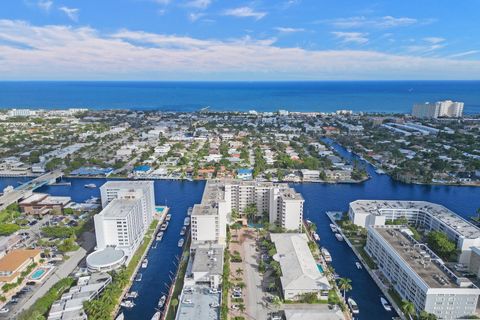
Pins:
x,y
15,262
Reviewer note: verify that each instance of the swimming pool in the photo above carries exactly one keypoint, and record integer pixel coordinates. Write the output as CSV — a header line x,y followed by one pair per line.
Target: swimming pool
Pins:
x,y
159,209
320,268
38,274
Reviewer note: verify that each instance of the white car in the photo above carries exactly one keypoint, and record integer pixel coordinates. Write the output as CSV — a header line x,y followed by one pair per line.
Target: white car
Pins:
x,y
234,307
4,310
213,291
214,305
187,301
237,290
236,295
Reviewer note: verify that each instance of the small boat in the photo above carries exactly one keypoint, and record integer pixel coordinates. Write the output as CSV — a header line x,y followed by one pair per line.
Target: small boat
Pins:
x,y
164,226
180,242
183,231
168,217
326,255
93,200
159,236
161,302
186,222
353,306
138,278
308,221
380,171
145,263
131,295
155,245
120,316
359,265
90,185
156,315
127,304
316,236
385,304
189,211
339,236
333,227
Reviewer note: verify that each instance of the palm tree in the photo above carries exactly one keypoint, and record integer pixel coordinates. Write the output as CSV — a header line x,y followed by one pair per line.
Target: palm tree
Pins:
x,y
241,285
239,271
408,308
241,307
345,285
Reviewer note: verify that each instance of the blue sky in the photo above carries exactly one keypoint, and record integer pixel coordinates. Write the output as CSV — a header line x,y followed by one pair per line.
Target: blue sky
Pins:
x,y
239,40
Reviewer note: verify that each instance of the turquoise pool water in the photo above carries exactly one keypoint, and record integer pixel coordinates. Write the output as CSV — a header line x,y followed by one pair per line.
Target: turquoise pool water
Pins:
x,y
320,268
159,209
37,274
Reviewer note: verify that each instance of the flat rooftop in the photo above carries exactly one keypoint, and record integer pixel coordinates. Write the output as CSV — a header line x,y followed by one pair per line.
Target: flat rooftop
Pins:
x,y
127,184
448,217
200,308
119,208
419,258
208,260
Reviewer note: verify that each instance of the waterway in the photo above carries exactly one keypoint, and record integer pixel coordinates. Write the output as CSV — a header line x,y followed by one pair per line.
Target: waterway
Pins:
x,y
319,198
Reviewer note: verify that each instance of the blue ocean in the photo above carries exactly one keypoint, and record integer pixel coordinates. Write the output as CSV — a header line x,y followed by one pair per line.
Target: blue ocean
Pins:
x,y
321,96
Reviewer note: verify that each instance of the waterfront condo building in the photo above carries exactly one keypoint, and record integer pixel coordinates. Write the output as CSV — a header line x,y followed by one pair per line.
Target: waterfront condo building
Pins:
x,y
447,108
280,203
418,275
143,190
424,215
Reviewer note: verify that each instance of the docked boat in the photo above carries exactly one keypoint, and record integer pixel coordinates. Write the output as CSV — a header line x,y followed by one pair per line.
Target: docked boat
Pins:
x,y
168,217
164,226
316,236
138,278
120,316
183,231
156,315
145,263
308,221
131,295
159,236
333,227
186,222
359,265
380,171
338,236
161,302
90,185
93,200
189,211
127,304
180,242
385,304
353,306
326,255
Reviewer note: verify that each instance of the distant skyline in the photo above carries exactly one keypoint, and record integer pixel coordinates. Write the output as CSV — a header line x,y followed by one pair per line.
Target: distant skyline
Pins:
x,y
239,40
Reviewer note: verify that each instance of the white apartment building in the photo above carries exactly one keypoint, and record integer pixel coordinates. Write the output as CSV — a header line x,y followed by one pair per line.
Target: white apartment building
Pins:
x,y
418,275
426,215
281,204
21,113
143,190
120,225
445,108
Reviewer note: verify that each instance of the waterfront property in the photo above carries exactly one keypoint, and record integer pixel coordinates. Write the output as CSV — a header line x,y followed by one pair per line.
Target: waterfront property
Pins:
x,y
300,273
41,203
419,275
427,215
15,262
280,203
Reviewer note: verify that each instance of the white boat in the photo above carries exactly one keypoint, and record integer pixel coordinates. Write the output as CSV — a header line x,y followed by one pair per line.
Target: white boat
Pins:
x,y
316,236
168,217
189,211
93,200
120,316
353,306
385,304
131,295
127,304
183,231
180,242
186,222
326,255
164,226
145,263
90,185
359,265
159,236
339,236
138,278
156,315
161,302
380,171
333,227
308,221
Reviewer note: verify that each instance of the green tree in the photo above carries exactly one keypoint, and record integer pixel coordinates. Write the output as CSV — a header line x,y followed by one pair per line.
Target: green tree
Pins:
x,y
441,245
408,308
345,285
174,304
427,316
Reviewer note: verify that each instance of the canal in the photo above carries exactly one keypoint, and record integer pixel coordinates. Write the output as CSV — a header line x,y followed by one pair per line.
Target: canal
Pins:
x,y
319,198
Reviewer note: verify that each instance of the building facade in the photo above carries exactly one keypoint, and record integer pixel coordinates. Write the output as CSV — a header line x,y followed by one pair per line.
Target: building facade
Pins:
x,y
447,108
419,275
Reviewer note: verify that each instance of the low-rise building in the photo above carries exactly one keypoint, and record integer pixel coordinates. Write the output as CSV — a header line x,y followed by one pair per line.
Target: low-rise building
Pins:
x,y
15,262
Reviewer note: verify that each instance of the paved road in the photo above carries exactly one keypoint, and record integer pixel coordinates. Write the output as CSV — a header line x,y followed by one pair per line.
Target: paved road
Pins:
x,y
255,297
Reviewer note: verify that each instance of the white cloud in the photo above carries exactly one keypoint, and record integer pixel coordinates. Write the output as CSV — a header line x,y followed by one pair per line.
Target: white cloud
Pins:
x,y
57,52
194,16
245,12
72,13
199,4
289,29
45,5
352,37
434,40
378,22
464,54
